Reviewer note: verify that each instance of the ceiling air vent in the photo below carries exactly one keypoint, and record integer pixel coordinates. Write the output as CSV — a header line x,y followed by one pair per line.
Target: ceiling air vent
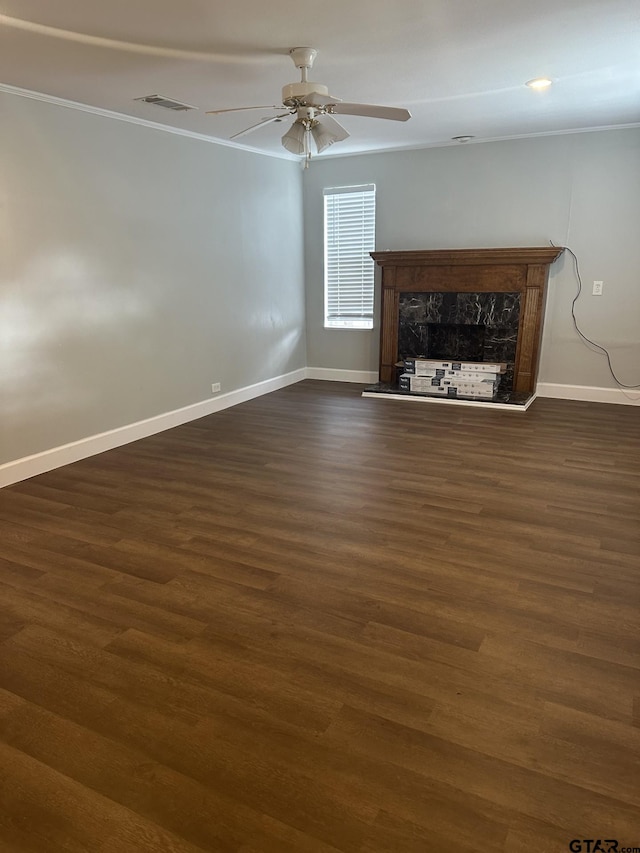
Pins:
x,y
167,103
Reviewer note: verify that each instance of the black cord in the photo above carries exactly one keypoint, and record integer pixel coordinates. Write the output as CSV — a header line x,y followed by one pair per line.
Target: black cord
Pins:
x,y
575,322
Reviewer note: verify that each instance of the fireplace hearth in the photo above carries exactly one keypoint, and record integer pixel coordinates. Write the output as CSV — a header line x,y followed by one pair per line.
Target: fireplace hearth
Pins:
x,y
481,305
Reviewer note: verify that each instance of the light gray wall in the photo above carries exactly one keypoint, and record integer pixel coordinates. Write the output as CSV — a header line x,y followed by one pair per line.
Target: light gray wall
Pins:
x,y
136,268
577,190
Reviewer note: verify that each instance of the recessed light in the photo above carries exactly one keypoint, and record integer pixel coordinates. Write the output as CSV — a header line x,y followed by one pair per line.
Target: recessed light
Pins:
x,y
538,83
461,138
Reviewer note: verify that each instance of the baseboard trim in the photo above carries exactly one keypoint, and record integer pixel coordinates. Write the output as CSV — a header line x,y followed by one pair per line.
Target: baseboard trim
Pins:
x,y
56,457
47,460
588,394
362,377
129,119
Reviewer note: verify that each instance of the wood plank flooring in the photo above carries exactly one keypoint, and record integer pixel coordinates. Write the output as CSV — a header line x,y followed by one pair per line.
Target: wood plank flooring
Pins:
x,y
317,623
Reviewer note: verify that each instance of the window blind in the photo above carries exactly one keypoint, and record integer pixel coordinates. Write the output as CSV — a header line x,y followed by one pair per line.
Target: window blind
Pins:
x,y
350,224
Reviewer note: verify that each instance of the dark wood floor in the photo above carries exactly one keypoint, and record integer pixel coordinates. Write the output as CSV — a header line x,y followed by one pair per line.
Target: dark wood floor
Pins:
x,y
317,622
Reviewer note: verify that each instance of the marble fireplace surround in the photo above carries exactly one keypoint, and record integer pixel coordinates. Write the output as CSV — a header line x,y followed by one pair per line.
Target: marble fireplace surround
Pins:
x,y
467,287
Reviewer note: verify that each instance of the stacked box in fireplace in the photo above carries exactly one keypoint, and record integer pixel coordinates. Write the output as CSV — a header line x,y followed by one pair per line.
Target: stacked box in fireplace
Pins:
x,y
470,379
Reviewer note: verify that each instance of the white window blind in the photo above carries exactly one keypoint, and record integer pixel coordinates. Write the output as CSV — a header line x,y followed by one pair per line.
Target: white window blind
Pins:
x,y
349,236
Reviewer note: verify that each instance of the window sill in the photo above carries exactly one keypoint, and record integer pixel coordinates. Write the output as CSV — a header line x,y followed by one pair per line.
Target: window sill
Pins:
x,y
350,326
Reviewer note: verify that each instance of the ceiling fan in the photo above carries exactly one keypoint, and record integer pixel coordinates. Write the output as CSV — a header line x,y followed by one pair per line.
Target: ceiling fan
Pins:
x,y
313,107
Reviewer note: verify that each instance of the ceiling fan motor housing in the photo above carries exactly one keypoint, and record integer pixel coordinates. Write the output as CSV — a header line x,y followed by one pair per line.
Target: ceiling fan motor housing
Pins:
x,y
294,94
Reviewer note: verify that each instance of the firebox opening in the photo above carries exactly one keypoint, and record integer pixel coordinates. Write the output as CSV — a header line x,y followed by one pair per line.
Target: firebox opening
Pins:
x,y
455,342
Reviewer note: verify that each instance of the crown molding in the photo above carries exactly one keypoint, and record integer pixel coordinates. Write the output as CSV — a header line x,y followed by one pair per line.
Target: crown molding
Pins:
x,y
143,122
448,143
227,143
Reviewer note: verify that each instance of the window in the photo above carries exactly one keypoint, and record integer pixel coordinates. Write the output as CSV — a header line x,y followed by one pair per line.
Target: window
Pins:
x,y
349,236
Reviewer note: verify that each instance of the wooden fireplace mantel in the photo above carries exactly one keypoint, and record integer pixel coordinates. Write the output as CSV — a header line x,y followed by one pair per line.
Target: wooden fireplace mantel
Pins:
x,y
511,270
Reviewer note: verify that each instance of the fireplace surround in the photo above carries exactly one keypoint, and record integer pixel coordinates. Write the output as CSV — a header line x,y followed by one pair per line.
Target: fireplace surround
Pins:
x,y
465,304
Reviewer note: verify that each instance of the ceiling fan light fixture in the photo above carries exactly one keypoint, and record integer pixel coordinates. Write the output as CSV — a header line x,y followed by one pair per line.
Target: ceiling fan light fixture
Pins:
x,y
323,136
293,140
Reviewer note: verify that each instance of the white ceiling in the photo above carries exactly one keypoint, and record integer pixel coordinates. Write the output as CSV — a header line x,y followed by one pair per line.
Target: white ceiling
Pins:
x,y
459,66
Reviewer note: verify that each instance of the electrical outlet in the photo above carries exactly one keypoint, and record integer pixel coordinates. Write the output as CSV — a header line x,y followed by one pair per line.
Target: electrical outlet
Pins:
x,y
597,288
215,387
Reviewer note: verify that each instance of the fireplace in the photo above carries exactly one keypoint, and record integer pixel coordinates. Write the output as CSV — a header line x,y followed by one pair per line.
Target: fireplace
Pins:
x,y
460,327
480,305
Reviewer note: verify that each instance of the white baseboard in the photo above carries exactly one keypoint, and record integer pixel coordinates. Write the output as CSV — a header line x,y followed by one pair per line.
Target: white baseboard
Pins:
x,y
39,463
543,389
588,394
362,377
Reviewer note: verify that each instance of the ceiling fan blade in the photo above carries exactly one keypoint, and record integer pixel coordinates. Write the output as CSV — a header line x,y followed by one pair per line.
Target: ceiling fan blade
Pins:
x,y
317,99
337,130
240,109
372,111
256,126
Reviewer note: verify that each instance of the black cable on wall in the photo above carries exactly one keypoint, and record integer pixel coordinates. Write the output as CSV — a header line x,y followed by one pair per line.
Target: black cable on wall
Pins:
x,y
581,334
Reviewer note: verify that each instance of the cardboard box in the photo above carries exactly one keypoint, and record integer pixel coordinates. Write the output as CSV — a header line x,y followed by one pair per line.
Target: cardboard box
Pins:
x,y
461,375
448,387
425,367
470,384
409,382
486,393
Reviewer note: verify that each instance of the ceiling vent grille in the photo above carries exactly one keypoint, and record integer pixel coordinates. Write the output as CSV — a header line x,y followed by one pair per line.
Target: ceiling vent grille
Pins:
x,y
167,103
